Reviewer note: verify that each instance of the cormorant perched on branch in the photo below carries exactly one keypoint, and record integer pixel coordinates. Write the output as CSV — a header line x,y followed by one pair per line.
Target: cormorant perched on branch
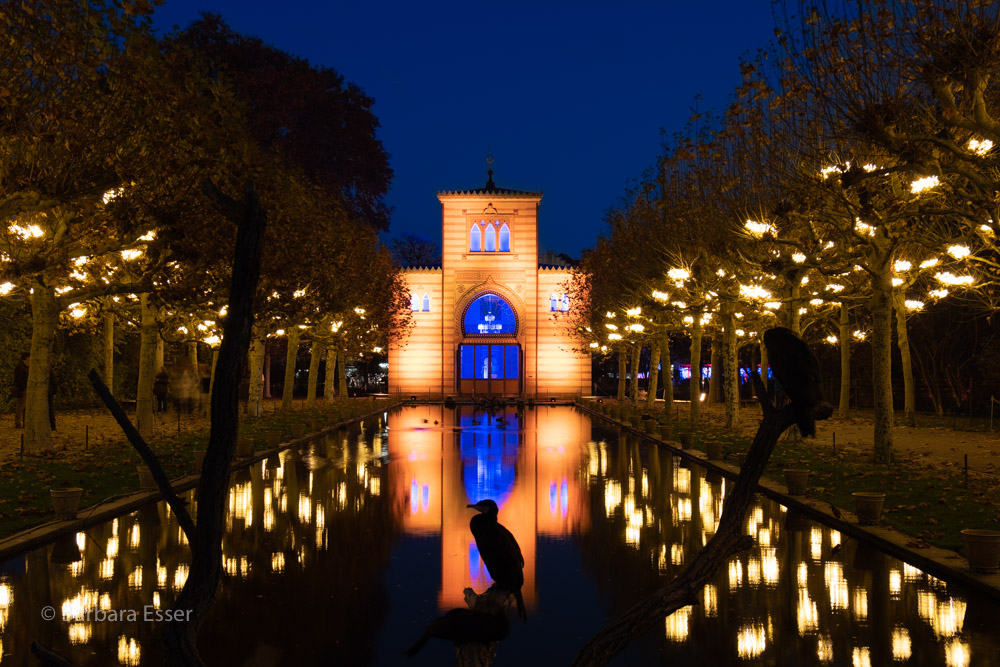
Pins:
x,y
462,626
499,551
797,371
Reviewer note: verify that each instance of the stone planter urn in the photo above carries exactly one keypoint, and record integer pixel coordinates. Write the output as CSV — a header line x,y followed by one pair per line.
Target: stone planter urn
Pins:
x,y
199,458
244,446
714,450
318,424
666,432
983,549
66,502
868,505
146,481
652,426
795,480
637,421
686,440
273,438
741,460
298,430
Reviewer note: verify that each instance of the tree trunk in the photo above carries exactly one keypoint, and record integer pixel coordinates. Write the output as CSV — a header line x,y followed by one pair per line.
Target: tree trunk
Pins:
x,y
731,366
634,379
794,317
215,362
148,334
714,387
764,366
315,355
903,341
881,311
654,372
695,384
202,585
668,376
267,371
292,335
331,373
44,319
109,351
255,362
342,372
622,373
159,353
845,362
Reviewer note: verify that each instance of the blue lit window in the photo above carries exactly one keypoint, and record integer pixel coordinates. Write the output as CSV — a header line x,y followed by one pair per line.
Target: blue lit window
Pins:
x,y
553,302
414,302
504,238
482,362
564,306
489,238
467,361
489,315
474,238
427,302
512,366
489,362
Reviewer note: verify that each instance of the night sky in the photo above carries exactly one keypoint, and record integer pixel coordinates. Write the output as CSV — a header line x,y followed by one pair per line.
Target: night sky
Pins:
x,y
568,96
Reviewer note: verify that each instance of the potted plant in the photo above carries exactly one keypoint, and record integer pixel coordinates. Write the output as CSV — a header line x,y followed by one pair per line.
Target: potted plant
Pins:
x,y
273,437
713,449
983,549
298,430
686,440
868,505
146,481
66,502
244,446
666,432
795,480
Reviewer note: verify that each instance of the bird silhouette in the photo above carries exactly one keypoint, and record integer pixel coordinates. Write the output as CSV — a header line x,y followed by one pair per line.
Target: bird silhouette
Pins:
x,y
797,371
462,626
499,551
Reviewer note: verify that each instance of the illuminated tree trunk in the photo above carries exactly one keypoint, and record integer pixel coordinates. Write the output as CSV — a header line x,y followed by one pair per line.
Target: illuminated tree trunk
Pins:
x,y
763,360
44,319
845,362
192,345
903,341
148,335
331,371
255,361
730,357
794,318
881,311
714,388
109,351
668,376
267,372
315,355
695,384
292,335
634,380
211,382
159,353
342,371
654,372
622,372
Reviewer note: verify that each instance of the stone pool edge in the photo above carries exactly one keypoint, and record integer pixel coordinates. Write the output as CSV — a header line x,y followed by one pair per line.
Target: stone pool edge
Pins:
x,y
941,563
31,538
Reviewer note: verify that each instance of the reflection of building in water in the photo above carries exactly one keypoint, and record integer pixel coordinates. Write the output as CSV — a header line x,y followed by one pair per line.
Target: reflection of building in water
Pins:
x,y
487,321
524,460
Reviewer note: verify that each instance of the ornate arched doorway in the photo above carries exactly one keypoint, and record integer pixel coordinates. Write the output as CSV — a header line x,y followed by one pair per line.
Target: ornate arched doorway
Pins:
x,y
488,358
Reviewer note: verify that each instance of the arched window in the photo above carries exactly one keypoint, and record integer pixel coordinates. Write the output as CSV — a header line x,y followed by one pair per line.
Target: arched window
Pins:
x,y
414,302
489,315
489,238
553,301
474,239
427,302
564,306
505,238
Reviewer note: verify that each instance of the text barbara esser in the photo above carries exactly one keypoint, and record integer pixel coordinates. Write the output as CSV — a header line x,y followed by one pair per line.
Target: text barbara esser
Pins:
x,y
148,613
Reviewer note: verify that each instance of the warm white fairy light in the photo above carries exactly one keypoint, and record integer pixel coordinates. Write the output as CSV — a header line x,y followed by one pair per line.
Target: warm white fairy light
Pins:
x,y
834,287
913,304
636,327
595,345
632,312
951,279
688,320
928,263
925,183
212,341
831,339
860,335
959,251
939,293
660,296
609,315
148,236
863,227
901,265
129,255
980,147
773,305
896,282
754,292
29,232
678,275
614,336
612,327
76,310
680,304
798,258
816,302
759,229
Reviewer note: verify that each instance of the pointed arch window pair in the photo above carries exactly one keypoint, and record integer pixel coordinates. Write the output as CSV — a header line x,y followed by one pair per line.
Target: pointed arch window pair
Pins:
x,y
559,303
489,236
418,304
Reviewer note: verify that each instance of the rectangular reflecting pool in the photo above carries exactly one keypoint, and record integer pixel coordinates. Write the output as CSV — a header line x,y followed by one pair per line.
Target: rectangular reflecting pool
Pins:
x,y
341,552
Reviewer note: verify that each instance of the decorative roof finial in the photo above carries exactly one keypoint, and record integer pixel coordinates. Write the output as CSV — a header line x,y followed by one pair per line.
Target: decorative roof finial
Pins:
x,y
490,185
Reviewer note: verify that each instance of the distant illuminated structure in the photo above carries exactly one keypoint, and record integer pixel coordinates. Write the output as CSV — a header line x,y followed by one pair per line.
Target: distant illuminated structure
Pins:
x,y
487,320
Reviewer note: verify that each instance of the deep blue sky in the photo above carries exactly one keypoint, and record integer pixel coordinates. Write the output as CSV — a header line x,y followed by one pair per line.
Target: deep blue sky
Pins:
x,y
569,95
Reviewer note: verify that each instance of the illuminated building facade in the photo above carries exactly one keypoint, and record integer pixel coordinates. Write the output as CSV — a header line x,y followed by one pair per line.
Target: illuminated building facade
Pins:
x,y
487,321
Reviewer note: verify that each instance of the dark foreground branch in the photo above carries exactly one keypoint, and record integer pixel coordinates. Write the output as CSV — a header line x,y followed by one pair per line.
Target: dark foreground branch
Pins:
x,y
176,503
728,540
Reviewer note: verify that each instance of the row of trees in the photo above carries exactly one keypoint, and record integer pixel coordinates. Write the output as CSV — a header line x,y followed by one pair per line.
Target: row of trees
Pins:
x,y
124,156
853,177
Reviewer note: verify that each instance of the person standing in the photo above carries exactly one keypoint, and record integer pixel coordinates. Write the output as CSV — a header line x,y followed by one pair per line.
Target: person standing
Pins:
x,y
21,388
160,387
